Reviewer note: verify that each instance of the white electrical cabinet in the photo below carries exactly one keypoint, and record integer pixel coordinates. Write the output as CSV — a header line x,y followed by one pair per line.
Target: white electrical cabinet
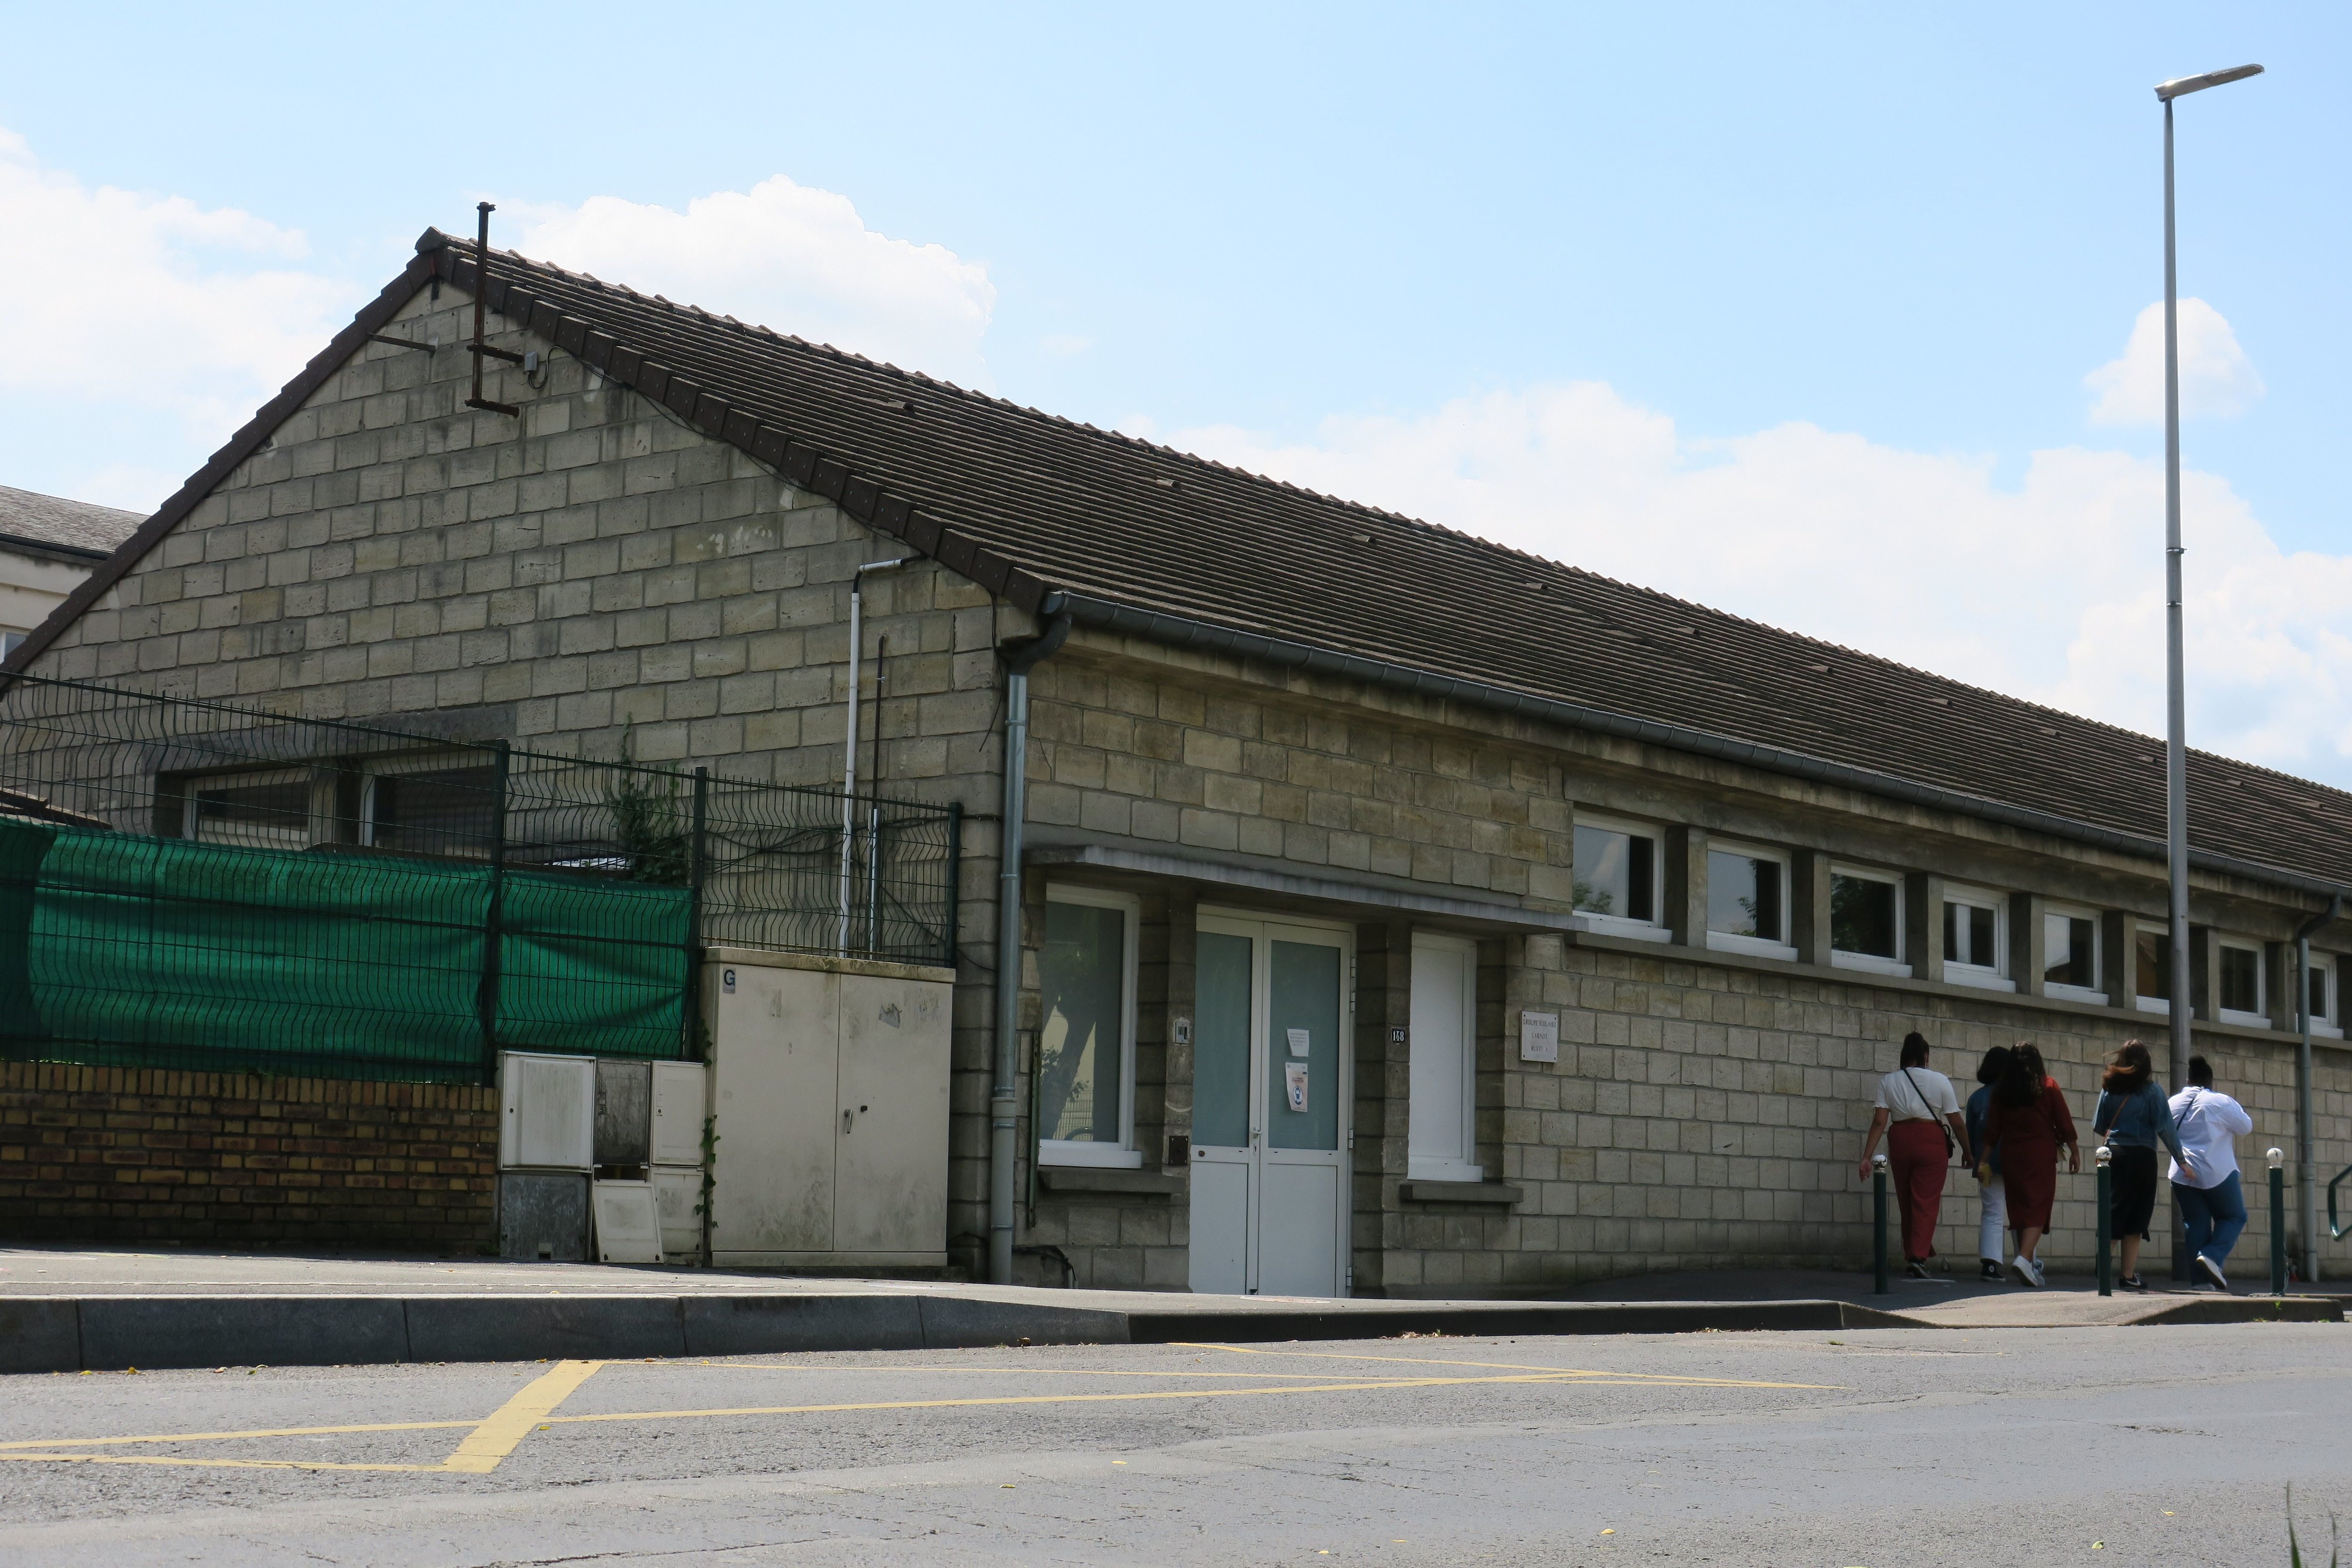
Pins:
x,y
547,1120
678,1200
629,1229
829,1103
681,1100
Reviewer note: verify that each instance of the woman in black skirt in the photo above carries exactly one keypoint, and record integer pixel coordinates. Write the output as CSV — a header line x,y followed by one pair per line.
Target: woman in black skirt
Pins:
x,y
2135,1114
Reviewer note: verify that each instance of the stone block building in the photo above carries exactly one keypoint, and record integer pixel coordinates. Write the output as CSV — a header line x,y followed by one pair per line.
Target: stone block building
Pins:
x,y
1394,912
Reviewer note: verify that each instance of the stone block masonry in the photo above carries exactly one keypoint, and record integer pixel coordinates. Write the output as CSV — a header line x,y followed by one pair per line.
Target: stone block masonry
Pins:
x,y
135,1154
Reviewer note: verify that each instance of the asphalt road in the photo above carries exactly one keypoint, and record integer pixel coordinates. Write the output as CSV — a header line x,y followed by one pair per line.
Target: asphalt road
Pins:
x,y
2168,1445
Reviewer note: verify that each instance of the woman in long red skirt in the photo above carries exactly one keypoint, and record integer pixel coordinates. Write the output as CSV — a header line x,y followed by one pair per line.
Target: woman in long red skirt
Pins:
x,y
2029,1123
1915,1103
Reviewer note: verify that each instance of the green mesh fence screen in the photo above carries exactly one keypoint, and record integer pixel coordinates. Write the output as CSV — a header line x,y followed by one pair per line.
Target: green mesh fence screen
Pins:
x,y
142,951
192,884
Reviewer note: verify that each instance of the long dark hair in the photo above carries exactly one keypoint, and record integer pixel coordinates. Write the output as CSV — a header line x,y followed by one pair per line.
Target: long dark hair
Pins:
x,y
1914,1050
1995,1063
2129,1070
2022,1080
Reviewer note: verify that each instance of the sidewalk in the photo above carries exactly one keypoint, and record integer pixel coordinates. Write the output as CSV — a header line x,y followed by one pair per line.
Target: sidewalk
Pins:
x,y
71,1309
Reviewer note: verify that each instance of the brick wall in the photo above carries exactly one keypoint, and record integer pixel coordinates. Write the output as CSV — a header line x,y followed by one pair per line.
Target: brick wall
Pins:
x,y
118,1153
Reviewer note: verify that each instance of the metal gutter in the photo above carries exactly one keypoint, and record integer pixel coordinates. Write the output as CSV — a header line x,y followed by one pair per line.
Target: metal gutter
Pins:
x,y
1021,656
1178,631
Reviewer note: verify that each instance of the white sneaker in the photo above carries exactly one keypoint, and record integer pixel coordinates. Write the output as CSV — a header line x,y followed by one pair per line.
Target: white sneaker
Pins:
x,y
2021,1268
2040,1279
2212,1272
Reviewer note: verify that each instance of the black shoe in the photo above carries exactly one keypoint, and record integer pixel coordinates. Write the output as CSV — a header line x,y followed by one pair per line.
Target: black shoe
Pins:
x,y
2212,1272
1917,1270
2131,1282
1991,1269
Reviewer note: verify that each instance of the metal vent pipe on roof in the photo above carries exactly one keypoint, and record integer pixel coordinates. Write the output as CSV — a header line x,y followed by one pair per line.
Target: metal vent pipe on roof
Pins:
x,y
849,744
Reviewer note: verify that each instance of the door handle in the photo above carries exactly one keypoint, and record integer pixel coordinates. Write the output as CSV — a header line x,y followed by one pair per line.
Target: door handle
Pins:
x,y
844,1121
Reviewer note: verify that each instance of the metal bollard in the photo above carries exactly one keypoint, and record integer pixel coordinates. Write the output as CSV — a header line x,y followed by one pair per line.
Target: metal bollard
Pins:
x,y
1878,1221
2278,1222
2102,1157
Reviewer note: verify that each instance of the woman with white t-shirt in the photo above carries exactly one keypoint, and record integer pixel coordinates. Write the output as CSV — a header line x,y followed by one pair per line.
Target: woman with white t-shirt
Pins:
x,y
1912,1110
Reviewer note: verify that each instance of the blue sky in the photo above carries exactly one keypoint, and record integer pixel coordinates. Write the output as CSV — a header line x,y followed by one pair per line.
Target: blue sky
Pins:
x,y
1301,235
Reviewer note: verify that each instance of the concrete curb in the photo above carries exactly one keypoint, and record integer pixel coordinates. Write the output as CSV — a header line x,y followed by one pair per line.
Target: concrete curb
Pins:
x,y
106,1333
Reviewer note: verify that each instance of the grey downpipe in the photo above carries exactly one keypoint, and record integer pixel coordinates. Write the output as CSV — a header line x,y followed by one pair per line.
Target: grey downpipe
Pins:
x,y
1178,631
1021,657
2307,1179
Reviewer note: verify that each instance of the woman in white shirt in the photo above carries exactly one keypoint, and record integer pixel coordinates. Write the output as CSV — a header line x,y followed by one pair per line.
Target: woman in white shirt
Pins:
x,y
2212,1202
1914,1106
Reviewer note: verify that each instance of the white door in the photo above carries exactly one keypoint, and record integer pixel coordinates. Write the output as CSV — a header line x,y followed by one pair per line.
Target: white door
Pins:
x,y
1273,1062
1441,1143
890,1176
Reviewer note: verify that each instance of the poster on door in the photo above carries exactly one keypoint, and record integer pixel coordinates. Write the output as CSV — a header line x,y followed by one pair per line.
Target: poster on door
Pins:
x,y
1294,1085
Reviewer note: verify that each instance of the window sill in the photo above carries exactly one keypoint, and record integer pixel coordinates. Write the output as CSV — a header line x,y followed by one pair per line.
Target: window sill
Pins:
x,y
1104,1179
1870,963
1502,1193
1982,979
1443,1171
2152,1005
2091,994
1755,946
2248,1020
1616,925
1099,1156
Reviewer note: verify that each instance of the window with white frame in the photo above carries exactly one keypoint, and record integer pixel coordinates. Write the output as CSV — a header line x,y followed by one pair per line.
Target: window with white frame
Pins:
x,y
1617,874
1441,1144
256,811
1866,919
2070,955
429,806
1747,900
1976,938
1086,1041
2152,968
2324,1000
2239,966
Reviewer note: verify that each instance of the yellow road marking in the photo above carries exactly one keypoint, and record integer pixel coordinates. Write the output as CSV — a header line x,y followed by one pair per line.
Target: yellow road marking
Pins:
x,y
1631,1378
1548,1375
215,1464
224,1436
495,1439
491,1440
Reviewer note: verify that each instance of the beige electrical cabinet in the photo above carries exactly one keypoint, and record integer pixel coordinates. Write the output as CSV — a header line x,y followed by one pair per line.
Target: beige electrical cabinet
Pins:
x,y
829,1100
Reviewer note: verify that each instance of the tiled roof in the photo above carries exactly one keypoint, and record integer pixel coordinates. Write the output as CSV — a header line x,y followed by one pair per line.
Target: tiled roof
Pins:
x,y
68,524
1026,504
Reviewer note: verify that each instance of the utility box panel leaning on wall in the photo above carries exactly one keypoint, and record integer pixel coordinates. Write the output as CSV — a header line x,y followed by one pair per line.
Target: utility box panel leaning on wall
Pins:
x,y
829,1099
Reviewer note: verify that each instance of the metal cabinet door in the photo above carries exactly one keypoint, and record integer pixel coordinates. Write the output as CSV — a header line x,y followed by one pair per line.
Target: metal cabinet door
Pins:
x,y
890,1120
776,1044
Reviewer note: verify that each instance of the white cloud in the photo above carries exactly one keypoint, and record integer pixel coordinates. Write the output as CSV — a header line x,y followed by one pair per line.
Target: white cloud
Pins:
x,y
2217,379
2050,590
152,301
789,256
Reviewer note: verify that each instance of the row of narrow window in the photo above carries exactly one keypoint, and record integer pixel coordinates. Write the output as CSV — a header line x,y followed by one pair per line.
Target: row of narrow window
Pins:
x,y
1617,874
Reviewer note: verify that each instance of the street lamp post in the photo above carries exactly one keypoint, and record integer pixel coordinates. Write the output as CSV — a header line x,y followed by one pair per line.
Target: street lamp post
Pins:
x,y
2176,741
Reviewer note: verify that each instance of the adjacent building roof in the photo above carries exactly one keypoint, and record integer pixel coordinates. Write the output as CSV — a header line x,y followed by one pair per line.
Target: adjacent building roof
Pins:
x,y
65,525
1056,515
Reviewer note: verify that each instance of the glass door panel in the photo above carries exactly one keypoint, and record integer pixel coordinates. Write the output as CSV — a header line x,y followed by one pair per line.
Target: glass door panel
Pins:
x,y
1303,1040
1221,1041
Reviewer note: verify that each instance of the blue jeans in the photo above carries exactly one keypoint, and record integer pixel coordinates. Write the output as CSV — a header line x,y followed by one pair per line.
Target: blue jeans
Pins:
x,y
2213,1216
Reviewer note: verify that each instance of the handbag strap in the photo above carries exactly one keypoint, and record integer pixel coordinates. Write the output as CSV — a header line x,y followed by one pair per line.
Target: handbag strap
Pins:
x,y
1941,1125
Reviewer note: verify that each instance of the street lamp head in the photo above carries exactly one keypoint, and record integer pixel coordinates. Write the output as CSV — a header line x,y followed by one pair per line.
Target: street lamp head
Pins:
x,y
2180,87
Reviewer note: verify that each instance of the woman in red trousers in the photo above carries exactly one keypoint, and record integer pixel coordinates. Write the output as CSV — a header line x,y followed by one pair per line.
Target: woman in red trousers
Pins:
x,y
1915,1103
2027,1123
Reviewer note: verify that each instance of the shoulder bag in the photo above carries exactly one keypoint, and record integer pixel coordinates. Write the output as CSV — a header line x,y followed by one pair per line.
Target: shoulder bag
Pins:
x,y
1942,1126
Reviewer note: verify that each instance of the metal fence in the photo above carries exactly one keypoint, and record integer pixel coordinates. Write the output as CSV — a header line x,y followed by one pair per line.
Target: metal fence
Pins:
x,y
204,884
